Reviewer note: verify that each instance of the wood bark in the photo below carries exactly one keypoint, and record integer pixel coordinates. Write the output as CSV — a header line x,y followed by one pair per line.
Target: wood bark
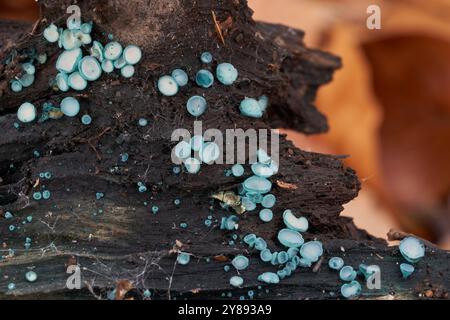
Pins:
x,y
124,240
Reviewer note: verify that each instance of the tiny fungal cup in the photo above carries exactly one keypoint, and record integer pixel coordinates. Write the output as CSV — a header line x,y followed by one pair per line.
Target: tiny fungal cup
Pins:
x,y
46,194
282,257
127,71
269,278
260,244
262,170
182,150
192,165
226,73
16,86
70,107
336,263
248,204
183,258
86,119
167,86
266,215
119,63
412,249
347,273
294,223
311,250
196,105
237,170
26,80
240,262
290,238
229,223
206,57
68,60
62,81
86,27
210,152
301,262
196,142
265,255
132,54
406,269
113,50
236,281
268,201
37,196
292,252
26,113
42,58
29,68
107,66
51,33
69,41
351,290
204,78
180,77
84,38
143,122
90,68
250,239
257,184
31,276
76,81
263,102
250,107
263,157
97,51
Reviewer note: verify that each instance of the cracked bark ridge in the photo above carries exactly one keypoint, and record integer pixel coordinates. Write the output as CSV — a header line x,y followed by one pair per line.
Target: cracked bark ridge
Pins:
x,y
124,240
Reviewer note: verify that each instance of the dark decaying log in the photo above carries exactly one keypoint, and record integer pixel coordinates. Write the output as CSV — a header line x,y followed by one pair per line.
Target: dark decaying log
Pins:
x,y
126,241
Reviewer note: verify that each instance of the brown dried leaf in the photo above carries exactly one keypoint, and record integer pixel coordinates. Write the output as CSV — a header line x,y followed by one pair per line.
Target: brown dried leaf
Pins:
x,y
286,185
221,258
218,28
178,244
122,287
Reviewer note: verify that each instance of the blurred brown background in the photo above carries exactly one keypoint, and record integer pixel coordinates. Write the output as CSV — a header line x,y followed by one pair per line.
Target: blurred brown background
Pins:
x,y
388,108
25,10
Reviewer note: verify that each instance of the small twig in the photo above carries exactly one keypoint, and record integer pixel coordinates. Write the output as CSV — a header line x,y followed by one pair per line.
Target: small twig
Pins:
x,y
101,134
140,276
218,28
286,185
36,24
318,265
99,157
171,278
379,256
91,290
52,228
89,141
